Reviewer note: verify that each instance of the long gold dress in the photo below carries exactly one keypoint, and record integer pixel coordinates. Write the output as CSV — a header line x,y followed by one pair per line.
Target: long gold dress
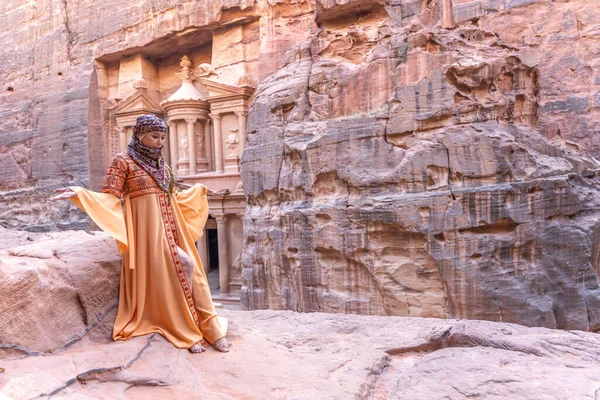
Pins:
x,y
155,295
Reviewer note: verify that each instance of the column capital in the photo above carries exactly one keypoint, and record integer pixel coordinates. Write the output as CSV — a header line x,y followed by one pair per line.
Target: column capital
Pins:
x,y
220,218
215,116
191,120
224,266
241,113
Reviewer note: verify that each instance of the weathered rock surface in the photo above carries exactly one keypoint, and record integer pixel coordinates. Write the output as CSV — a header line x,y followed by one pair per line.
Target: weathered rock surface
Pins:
x,y
287,355
53,121
57,307
430,161
413,158
55,287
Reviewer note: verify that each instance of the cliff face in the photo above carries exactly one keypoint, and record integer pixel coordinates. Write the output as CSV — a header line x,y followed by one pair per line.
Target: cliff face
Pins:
x,y
413,157
58,305
53,117
430,159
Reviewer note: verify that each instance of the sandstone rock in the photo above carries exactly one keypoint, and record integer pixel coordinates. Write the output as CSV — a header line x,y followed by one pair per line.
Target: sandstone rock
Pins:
x,y
424,182
404,157
286,355
56,287
53,281
53,114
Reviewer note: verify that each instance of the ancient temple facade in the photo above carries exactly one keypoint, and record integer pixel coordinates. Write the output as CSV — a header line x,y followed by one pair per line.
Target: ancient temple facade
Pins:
x,y
203,91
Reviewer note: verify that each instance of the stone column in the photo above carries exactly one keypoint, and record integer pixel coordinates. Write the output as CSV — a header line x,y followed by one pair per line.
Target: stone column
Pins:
x,y
167,151
223,254
218,143
242,117
173,146
122,138
203,251
447,14
191,144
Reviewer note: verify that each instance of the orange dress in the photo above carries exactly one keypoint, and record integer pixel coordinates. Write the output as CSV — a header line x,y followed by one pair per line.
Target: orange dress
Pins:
x,y
155,295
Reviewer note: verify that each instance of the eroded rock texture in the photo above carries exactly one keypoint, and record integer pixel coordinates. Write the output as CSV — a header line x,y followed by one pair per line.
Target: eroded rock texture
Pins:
x,y
430,159
329,358
53,110
408,157
57,307
55,287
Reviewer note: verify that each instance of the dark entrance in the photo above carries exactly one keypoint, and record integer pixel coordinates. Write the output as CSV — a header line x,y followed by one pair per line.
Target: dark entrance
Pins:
x,y
213,249
213,261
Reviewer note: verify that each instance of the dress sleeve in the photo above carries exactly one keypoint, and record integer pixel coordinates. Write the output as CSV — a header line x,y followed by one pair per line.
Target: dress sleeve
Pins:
x,y
114,181
105,208
193,204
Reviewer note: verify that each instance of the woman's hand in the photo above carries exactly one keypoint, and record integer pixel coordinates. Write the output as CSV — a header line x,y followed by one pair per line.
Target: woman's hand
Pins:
x,y
64,194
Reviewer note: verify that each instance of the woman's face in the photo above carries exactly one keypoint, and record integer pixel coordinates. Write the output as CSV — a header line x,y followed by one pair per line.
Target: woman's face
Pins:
x,y
154,139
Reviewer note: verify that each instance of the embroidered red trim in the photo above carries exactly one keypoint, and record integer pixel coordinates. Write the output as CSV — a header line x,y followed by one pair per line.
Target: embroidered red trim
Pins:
x,y
124,177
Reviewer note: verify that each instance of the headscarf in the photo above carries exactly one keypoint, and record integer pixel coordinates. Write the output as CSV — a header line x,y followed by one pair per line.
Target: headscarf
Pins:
x,y
150,160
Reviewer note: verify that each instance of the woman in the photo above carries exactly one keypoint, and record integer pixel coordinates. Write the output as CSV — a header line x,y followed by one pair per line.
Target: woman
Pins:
x,y
163,285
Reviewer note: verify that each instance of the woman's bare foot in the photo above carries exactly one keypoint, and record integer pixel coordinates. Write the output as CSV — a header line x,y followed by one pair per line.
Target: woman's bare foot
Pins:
x,y
197,348
222,345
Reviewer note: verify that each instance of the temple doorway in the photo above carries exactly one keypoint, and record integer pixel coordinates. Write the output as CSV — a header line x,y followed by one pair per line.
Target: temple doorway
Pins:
x,y
213,250
213,261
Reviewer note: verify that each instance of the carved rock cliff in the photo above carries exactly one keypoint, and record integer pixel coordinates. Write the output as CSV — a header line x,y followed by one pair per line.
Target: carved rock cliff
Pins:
x,y
430,159
413,157
57,310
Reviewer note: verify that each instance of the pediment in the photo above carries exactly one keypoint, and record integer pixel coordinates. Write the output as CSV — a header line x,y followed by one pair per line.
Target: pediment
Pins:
x,y
138,102
218,89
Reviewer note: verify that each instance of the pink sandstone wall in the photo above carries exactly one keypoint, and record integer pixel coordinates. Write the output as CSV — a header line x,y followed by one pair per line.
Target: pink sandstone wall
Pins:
x,y
404,157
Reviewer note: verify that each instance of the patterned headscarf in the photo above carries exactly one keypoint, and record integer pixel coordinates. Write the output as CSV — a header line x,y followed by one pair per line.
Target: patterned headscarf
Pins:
x,y
150,160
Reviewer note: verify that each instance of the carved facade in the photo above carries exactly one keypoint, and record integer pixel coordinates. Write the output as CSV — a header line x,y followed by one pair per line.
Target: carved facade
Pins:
x,y
206,116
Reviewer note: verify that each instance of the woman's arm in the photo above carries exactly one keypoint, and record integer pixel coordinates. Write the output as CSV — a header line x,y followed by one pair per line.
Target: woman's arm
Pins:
x,y
105,208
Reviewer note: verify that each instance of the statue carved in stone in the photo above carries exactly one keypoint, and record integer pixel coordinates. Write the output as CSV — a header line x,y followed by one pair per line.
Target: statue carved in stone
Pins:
x,y
183,148
200,144
237,263
232,141
206,70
